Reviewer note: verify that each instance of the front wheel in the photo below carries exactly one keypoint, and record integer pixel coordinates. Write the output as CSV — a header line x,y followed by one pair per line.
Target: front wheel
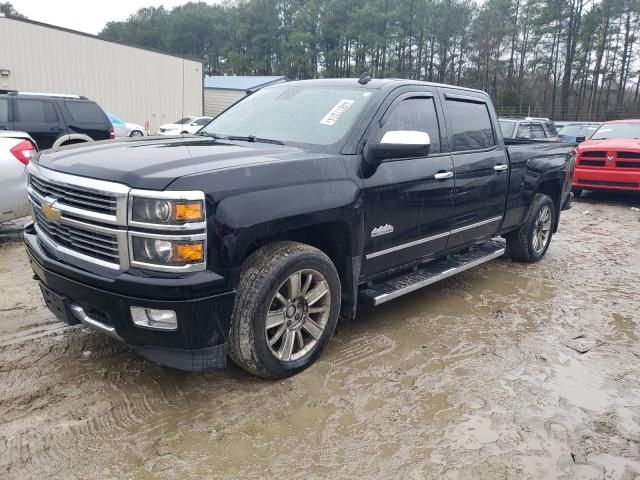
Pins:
x,y
286,309
530,242
576,192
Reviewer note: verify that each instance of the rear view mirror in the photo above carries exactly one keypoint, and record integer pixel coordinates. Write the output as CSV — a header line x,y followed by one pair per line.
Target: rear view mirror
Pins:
x,y
580,139
397,144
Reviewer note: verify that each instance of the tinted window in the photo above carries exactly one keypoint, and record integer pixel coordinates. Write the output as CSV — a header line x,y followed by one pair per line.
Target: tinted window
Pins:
x,y
537,131
524,130
4,110
202,121
85,112
35,111
184,120
507,128
415,114
471,126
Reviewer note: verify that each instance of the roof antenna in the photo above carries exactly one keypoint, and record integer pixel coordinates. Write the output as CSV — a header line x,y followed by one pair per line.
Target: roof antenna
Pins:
x,y
364,78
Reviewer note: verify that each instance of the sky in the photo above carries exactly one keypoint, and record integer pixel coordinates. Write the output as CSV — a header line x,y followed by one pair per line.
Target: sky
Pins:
x,y
87,16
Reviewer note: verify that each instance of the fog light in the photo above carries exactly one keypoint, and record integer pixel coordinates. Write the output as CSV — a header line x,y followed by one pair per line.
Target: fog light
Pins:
x,y
154,319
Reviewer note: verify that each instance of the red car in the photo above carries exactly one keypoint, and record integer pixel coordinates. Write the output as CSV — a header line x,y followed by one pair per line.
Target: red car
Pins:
x,y
610,159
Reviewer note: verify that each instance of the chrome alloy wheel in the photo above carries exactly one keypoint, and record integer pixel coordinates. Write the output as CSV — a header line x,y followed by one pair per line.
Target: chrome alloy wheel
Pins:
x,y
542,229
298,315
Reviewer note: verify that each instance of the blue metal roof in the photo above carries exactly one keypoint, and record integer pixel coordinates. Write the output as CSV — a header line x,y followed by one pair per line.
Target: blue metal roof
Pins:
x,y
240,82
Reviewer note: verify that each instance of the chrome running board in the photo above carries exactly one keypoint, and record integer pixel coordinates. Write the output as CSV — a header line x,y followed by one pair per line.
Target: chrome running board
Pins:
x,y
382,292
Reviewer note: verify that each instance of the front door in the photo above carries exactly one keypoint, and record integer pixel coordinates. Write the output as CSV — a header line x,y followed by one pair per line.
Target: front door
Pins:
x,y
481,170
408,201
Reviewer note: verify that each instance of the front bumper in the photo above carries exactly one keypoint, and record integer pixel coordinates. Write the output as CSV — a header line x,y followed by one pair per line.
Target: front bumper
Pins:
x,y
606,178
104,304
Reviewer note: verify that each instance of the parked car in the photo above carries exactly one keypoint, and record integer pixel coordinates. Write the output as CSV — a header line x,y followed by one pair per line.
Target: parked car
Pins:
x,y
16,150
125,129
576,132
54,120
184,125
287,210
610,159
540,129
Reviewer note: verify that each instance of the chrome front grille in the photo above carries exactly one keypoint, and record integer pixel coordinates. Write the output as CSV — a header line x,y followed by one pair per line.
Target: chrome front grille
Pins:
x,y
75,196
80,218
103,246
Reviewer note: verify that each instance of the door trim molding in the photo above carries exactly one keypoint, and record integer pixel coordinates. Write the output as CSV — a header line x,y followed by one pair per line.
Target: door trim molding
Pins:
x,y
406,245
475,225
379,253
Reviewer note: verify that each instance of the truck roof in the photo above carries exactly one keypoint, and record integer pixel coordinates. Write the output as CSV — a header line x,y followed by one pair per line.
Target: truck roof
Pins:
x,y
379,83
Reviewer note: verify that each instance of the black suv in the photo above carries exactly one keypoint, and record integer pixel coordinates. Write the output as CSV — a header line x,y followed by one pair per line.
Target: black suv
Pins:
x,y
54,120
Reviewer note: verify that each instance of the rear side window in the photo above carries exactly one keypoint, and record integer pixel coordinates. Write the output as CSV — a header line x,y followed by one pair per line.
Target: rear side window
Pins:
x,y
418,113
537,131
550,129
507,128
35,111
85,112
4,110
202,121
471,125
524,130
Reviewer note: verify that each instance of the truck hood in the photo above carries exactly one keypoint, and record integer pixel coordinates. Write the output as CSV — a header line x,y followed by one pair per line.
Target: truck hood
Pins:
x,y
153,163
610,144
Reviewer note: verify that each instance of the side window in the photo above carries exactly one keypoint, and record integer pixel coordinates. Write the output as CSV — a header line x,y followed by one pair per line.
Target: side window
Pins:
x,y
524,130
4,110
35,111
85,112
472,129
418,113
537,131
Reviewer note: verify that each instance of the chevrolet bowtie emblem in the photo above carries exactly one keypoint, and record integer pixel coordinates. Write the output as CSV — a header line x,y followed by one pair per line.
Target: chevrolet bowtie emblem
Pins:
x,y
50,212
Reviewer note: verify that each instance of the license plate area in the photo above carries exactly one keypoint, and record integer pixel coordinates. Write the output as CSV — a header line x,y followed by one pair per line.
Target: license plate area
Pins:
x,y
57,304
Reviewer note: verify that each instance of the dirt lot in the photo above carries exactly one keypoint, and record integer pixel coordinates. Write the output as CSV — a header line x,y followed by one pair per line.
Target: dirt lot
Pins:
x,y
474,377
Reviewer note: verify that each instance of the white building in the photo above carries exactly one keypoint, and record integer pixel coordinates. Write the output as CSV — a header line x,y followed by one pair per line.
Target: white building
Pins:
x,y
133,83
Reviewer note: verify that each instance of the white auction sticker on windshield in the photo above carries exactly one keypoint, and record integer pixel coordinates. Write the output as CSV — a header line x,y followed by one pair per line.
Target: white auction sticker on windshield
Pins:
x,y
336,112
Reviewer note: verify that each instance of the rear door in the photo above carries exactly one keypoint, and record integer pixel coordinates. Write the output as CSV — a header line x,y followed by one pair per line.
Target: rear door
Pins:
x,y
40,119
481,169
6,114
408,201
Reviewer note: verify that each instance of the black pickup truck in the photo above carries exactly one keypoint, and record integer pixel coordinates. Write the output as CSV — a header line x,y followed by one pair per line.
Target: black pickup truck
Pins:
x,y
251,238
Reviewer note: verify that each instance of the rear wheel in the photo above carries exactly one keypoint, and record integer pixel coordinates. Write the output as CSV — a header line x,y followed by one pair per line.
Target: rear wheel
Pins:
x,y
530,242
286,309
136,133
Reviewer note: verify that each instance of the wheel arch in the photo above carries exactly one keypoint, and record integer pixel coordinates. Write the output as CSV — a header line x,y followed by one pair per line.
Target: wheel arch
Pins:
x,y
553,188
71,138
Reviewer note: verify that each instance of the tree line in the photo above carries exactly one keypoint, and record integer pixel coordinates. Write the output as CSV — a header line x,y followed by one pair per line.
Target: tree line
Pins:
x,y
566,59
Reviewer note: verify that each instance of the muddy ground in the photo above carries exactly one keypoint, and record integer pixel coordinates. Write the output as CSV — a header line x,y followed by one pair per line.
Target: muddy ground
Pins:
x,y
476,377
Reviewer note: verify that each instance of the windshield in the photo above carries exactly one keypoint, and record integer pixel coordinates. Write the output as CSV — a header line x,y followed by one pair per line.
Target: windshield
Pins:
x,y
297,114
578,130
617,130
507,128
183,120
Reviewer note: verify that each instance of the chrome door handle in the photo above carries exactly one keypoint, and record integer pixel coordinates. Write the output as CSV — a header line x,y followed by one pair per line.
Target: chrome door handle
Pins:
x,y
443,175
501,168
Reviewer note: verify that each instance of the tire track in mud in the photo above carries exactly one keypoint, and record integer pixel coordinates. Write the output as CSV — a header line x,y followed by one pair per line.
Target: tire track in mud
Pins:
x,y
71,396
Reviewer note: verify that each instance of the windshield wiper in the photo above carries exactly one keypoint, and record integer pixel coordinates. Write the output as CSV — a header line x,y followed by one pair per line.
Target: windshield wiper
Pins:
x,y
241,138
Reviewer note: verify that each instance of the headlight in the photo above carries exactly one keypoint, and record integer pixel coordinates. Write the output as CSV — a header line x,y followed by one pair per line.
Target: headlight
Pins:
x,y
183,209
182,253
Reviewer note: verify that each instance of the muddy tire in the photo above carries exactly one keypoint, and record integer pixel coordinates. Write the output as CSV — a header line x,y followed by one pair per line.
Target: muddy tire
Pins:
x,y
288,292
576,192
530,242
